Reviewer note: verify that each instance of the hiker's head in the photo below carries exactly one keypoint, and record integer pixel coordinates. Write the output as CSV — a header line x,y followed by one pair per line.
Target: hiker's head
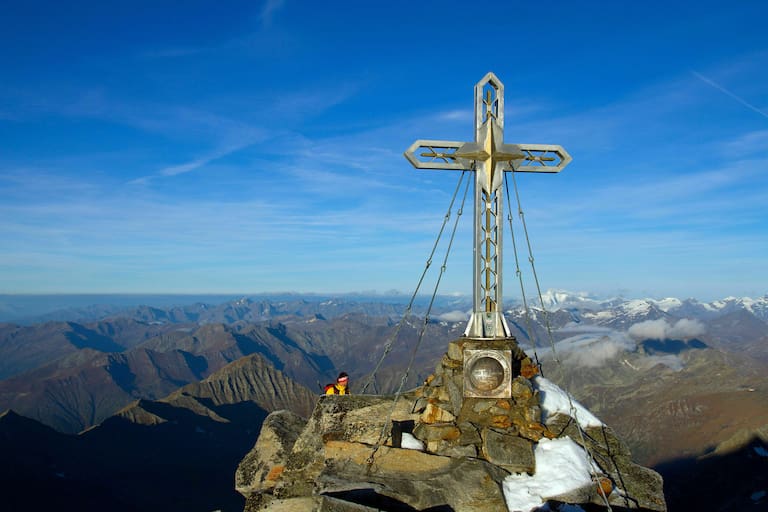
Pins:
x,y
342,379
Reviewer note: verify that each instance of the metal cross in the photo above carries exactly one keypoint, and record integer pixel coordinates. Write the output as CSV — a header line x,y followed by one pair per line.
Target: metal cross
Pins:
x,y
489,157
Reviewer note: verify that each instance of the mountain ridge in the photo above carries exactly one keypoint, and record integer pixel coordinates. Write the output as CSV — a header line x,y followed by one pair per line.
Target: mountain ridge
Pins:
x,y
641,337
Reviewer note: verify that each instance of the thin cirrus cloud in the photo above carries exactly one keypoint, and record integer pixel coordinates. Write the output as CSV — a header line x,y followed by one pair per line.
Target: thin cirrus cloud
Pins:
x,y
269,10
195,164
750,143
729,93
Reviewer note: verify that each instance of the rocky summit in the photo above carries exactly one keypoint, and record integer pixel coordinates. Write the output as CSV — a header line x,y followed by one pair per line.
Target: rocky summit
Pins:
x,y
439,447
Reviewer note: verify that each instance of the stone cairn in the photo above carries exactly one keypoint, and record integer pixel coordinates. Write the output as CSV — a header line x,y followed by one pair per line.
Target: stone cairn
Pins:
x,y
349,455
500,430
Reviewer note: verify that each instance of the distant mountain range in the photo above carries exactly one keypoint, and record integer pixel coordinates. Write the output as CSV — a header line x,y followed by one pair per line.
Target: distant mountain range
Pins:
x,y
674,378
689,307
72,375
32,309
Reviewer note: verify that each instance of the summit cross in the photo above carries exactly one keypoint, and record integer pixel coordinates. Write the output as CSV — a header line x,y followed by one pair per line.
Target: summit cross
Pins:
x,y
489,157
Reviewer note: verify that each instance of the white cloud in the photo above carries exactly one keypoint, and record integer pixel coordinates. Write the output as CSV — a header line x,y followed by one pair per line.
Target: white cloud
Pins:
x,y
650,329
595,348
687,328
748,143
454,316
580,327
202,161
456,115
661,329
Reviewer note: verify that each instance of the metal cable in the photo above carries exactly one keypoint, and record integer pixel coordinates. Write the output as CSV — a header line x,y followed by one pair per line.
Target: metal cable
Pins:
x,y
387,423
519,274
533,268
571,406
407,312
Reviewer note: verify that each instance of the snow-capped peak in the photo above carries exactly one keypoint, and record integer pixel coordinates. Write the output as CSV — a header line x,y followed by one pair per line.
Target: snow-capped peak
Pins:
x,y
668,304
558,299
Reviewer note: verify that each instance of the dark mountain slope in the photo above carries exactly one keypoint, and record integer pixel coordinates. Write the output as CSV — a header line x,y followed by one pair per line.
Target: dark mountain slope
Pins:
x,y
175,454
87,386
733,477
38,470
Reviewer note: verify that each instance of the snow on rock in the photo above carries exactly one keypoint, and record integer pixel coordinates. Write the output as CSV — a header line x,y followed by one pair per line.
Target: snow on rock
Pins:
x,y
411,443
554,400
562,466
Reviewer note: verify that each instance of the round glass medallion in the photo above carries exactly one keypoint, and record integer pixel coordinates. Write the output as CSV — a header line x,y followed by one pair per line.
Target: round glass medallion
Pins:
x,y
486,374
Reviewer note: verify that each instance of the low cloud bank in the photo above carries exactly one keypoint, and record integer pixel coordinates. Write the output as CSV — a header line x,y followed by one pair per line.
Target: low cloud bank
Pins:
x,y
454,316
662,330
591,346
594,349
593,329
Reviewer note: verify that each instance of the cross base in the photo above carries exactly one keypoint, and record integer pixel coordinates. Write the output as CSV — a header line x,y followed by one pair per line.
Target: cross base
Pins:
x,y
487,325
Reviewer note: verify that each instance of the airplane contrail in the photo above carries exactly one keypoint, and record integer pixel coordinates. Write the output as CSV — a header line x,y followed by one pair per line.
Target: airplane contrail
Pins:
x,y
729,93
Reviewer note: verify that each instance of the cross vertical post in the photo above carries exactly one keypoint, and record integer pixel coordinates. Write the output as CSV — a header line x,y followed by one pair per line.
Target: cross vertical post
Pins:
x,y
489,157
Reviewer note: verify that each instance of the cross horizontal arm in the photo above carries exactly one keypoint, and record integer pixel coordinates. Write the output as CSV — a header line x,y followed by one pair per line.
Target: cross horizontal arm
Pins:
x,y
541,158
437,154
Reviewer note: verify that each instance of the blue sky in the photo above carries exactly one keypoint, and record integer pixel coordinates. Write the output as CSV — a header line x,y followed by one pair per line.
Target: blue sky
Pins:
x,y
201,147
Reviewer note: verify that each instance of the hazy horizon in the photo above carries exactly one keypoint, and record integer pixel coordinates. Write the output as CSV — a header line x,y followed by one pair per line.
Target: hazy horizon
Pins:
x,y
16,307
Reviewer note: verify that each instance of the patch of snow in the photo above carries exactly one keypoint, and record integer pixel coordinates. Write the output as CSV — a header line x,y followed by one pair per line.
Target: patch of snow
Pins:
x,y
668,304
561,466
411,443
561,299
603,315
636,307
625,362
761,451
554,400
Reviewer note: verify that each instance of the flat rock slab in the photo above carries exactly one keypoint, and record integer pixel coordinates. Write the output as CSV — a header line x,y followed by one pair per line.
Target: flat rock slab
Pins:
x,y
418,479
513,453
